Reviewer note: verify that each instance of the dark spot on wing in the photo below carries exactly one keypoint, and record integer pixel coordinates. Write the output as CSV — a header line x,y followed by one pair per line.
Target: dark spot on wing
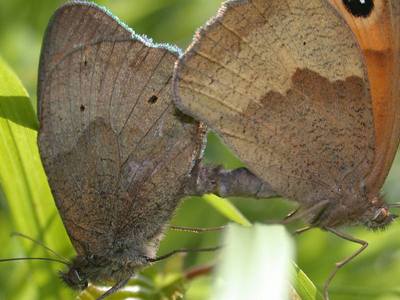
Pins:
x,y
153,99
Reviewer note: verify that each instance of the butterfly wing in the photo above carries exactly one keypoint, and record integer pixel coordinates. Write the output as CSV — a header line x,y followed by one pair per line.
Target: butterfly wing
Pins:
x,y
377,29
115,152
284,84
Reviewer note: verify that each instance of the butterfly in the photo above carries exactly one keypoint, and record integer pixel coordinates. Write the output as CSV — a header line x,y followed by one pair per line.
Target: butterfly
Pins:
x,y
114,148
306,93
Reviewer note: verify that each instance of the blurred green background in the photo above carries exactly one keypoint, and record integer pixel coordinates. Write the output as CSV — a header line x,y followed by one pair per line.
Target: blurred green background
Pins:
x,y
373,275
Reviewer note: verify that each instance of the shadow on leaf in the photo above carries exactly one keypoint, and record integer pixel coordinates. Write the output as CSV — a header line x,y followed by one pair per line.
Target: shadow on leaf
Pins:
x,y
18,109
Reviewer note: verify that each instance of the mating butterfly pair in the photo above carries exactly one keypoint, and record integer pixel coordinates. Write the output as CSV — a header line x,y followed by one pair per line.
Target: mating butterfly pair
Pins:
x,y
305,93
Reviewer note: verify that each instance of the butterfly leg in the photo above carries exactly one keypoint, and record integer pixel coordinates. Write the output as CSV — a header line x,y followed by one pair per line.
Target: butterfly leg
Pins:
x,y
342,263
292,213
299,214
115,288
194,250
196,229
304,229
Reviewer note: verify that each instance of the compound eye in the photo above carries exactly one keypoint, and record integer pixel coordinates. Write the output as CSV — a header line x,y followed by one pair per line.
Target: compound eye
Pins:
x,y
381,215
80,281
77,275
84,284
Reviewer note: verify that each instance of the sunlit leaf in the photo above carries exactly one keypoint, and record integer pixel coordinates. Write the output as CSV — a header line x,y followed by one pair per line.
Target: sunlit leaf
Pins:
x,y
24,184
304,287
226,208
140,287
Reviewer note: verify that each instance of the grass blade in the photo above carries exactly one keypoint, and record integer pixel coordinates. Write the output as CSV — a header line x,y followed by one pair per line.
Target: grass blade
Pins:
x,y
226,208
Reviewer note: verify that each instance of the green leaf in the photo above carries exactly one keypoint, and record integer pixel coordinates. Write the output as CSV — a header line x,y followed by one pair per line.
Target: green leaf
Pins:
x,y
25,191
15,105
140,287
304,287
226,208
255,264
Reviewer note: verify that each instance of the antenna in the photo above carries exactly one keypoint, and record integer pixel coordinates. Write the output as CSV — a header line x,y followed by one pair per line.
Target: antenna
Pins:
x,y
34,258
21,235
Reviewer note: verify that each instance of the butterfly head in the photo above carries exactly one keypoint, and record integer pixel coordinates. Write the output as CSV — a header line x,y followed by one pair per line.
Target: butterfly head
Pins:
x,y
85,269
75,278
99,269
379,216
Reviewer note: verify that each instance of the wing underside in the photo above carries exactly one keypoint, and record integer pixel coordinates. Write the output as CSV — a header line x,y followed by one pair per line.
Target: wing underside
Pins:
x,y
115,153
284,84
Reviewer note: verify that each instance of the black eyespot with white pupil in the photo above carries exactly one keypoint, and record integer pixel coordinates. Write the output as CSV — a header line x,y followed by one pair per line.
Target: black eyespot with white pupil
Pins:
x,y
359,8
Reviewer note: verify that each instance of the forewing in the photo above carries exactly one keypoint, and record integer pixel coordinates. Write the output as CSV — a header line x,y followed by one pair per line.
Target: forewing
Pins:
x,y
378,34
284,84
115,151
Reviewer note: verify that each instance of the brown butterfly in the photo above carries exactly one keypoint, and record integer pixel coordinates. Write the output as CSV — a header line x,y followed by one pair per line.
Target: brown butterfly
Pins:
x,y
115,152
306,93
